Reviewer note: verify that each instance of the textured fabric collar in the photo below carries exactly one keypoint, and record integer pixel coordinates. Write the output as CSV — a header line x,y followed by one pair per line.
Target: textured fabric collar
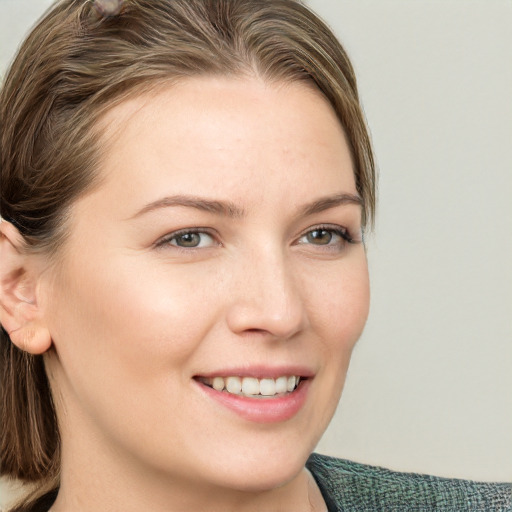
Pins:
x,y
352,487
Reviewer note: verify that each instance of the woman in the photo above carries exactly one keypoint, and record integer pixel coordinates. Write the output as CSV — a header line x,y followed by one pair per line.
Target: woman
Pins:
x,y
185,190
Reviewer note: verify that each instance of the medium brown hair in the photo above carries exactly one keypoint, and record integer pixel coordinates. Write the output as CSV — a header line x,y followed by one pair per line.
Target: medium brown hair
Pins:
x,y
74,66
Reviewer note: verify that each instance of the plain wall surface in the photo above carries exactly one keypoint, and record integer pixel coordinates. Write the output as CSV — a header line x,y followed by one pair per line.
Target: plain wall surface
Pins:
x,y
430,385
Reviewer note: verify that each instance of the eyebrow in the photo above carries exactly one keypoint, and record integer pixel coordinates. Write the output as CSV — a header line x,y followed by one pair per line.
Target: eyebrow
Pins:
x,y
229,209
325,203
226,208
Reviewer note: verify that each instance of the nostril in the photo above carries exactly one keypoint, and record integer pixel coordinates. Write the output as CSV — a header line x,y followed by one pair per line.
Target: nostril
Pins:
x,y
262,319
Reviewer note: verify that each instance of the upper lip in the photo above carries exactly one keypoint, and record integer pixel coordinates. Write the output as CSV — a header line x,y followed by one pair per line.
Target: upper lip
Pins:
x,y
260,372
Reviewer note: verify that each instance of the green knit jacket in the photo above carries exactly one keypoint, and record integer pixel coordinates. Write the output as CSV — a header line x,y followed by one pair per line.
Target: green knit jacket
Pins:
x,y
351,487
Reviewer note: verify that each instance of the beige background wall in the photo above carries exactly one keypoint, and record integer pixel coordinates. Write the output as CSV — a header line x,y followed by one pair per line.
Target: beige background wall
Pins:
x,y
430,387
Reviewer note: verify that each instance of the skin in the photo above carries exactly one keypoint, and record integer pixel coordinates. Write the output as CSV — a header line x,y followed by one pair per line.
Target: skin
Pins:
x,y
132,317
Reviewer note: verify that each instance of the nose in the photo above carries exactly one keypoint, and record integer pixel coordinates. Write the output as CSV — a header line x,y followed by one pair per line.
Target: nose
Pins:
x,y
266,297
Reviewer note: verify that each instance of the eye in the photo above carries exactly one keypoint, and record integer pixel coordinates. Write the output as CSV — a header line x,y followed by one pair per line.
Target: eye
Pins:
x,y
332,237
320,236
188,239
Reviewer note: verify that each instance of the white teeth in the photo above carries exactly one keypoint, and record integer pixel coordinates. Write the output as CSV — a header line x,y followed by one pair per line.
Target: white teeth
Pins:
x,y
251,386
267,387
218,383
234,385
281,385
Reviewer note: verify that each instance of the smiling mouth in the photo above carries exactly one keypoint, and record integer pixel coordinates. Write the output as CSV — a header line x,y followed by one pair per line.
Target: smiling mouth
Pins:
x,y
252,387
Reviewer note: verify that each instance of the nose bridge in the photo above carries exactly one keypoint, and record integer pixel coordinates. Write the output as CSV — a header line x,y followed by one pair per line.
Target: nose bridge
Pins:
x,y
267,296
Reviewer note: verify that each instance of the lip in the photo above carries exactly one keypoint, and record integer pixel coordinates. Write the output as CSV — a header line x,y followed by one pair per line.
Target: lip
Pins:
x,y
260,372
260,410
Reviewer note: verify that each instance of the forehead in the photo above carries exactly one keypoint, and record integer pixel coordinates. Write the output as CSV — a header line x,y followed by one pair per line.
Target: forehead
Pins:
x,y
249,97
216,134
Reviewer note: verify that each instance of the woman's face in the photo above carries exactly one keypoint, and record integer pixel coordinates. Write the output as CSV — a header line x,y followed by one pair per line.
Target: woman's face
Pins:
x,y
222,248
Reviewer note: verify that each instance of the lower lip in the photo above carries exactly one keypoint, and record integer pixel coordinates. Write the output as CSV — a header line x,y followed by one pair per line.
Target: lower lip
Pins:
x,y
261,410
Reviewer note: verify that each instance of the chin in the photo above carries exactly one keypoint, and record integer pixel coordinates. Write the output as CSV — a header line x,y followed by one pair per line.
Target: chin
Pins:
x,y
265,477
263,470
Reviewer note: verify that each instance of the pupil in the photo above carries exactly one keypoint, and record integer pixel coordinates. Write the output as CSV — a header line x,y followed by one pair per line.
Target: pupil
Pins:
x,y
320,237
189,240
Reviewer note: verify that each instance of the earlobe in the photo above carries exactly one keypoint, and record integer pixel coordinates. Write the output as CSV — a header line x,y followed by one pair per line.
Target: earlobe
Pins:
x,y
19,312
33,338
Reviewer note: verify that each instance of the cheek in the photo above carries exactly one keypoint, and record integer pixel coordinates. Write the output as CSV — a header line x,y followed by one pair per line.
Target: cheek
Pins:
x,y
125,338
127,321
339,304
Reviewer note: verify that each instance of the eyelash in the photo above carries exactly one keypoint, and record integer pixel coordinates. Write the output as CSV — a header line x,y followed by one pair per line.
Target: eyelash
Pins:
x,y
333,230
343,233
166,240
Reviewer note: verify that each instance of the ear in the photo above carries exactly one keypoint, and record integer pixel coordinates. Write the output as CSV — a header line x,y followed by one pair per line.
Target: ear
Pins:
x,y
20,314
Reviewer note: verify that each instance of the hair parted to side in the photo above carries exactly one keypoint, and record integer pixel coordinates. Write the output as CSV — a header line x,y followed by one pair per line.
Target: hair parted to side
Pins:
x,y
83,58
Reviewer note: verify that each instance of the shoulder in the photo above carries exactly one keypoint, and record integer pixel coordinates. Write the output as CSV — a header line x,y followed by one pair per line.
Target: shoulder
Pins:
x,y
351,487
